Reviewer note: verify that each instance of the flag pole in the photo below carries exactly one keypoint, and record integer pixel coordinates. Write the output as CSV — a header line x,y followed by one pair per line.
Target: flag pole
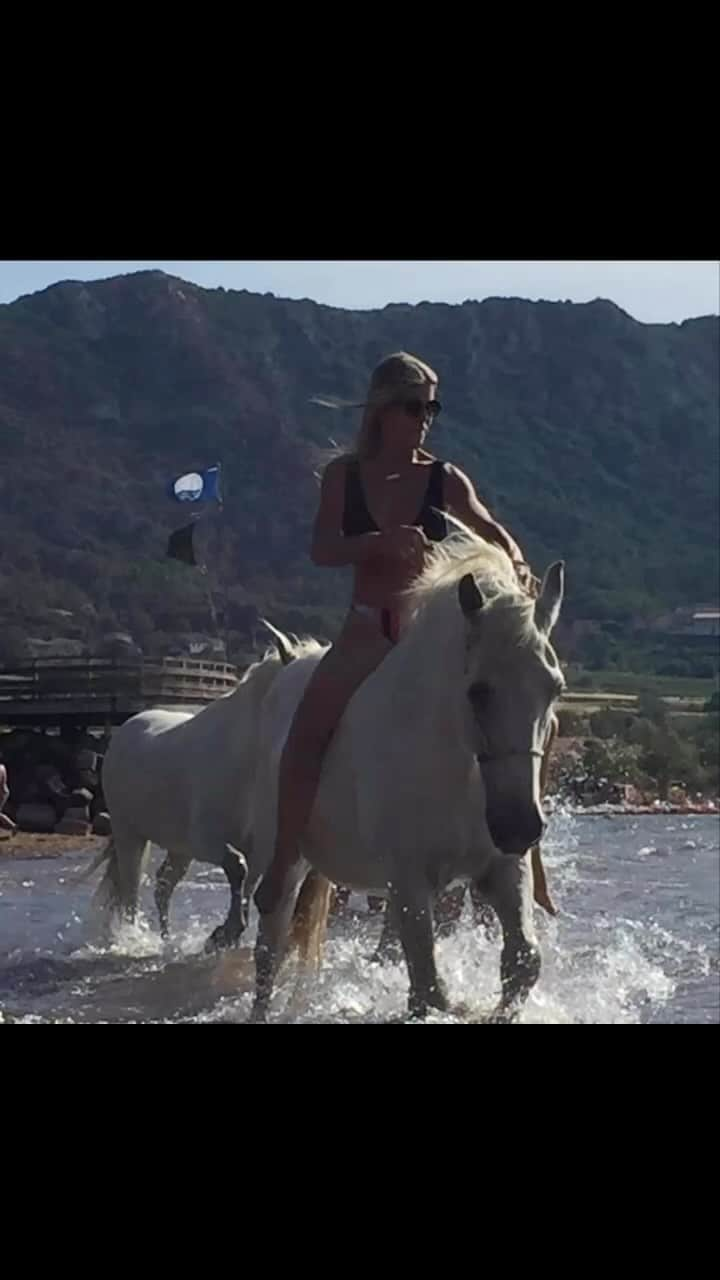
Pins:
x,y
180,545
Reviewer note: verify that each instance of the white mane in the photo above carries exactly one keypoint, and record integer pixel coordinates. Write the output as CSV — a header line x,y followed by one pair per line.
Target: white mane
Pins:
x,y
511,609
433,596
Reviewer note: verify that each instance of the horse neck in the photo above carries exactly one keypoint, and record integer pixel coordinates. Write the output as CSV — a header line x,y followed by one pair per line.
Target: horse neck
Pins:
x,y
420,681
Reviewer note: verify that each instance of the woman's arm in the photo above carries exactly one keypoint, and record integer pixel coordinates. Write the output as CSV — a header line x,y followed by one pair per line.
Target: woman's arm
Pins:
x,y
464,503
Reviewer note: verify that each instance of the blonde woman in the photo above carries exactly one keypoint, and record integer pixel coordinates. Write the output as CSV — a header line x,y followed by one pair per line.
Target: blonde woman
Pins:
x,y
380,509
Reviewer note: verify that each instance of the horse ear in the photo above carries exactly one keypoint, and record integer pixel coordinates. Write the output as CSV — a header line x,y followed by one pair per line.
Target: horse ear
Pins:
x,y
549,601
470,596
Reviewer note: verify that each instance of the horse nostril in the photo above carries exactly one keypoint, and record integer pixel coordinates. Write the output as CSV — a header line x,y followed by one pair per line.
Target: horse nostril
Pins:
x,y
513,836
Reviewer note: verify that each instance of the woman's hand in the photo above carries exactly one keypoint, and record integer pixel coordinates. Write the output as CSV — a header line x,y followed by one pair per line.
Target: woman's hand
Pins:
x,y
526,578
405,544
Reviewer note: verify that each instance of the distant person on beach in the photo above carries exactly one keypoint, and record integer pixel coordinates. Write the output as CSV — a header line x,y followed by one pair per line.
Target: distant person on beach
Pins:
x,y
6,824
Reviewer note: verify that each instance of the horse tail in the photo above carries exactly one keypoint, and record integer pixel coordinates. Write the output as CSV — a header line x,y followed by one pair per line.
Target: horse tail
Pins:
x,y
309,922
118,890
107,895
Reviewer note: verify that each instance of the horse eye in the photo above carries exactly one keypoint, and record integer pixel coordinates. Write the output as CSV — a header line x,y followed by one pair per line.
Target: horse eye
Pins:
x,y
479,695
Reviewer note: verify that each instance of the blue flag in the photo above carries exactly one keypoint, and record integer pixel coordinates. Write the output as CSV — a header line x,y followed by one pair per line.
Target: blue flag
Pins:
x,y
197,486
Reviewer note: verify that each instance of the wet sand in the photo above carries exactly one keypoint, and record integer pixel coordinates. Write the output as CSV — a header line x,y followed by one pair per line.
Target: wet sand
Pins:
x,y
26,844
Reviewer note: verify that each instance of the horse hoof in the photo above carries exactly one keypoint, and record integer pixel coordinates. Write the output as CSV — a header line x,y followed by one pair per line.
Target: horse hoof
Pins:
x,y
385,957
461,1010
504,1015
221,940
420,1006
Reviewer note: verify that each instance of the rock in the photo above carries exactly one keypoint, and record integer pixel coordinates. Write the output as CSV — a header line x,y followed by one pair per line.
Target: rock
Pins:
x,y
72,827
36,817
29,791
81,797
86,761
77,813
51,784
102,825
98,805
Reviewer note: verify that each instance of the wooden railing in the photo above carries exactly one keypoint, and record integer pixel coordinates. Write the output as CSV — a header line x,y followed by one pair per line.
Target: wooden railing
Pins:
x,y
117,686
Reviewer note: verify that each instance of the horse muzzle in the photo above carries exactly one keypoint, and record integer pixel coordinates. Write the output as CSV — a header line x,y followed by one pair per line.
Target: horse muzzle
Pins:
x,y
515,834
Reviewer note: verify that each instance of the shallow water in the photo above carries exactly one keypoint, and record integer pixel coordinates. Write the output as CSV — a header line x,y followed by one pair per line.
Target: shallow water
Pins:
x,y
636,941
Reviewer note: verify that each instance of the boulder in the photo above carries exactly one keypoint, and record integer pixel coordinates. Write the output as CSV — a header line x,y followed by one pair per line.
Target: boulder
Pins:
x,y
72,827
102,825
36,817
81,797
98,805
77,813
51,784
86,760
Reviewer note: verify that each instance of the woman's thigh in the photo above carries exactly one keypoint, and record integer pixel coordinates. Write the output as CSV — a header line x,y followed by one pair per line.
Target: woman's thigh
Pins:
x,y
357,652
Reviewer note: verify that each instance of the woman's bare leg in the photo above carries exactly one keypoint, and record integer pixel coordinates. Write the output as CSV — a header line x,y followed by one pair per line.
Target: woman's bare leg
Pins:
x,y
541,893
359,650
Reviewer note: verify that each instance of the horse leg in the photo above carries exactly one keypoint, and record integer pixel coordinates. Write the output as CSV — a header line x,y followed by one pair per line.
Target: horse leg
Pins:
x,y
168,877
272,935
448,908
389,949
229,933
413,911
509,889
340,900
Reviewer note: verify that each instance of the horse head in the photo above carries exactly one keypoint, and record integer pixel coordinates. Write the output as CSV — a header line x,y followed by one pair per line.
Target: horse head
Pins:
x,y
512,681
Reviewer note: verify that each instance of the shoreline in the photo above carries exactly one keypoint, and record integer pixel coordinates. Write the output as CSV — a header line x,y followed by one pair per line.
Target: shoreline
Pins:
x,y
27,844
644,811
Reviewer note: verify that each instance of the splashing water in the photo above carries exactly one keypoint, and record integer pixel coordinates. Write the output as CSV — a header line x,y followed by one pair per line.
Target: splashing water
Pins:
x,y
636,940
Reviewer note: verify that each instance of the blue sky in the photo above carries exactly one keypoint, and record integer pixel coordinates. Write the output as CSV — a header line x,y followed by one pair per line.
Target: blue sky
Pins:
x,y
650,291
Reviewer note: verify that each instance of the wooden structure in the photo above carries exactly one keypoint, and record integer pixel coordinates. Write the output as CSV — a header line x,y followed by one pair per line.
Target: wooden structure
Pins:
x,y
50,692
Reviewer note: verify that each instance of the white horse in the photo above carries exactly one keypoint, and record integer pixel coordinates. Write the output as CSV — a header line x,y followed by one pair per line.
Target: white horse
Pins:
x,y
184,781
433,774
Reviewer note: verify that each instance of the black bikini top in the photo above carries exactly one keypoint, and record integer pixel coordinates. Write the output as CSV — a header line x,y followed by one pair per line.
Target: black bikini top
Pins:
x,y
357,518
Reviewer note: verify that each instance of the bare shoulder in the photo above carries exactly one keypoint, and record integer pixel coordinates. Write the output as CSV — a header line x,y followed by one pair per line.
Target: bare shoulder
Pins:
x,y
456,481
335,470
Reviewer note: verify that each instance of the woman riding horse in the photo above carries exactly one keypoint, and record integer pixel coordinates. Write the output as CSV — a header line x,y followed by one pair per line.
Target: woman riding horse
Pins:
x,y
381,507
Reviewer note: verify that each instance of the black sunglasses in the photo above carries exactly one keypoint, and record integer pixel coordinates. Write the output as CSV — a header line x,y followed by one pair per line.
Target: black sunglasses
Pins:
x,y
421,408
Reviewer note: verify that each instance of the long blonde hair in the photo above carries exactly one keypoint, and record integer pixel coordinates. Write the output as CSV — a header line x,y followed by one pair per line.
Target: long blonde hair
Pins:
x,y
396,376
